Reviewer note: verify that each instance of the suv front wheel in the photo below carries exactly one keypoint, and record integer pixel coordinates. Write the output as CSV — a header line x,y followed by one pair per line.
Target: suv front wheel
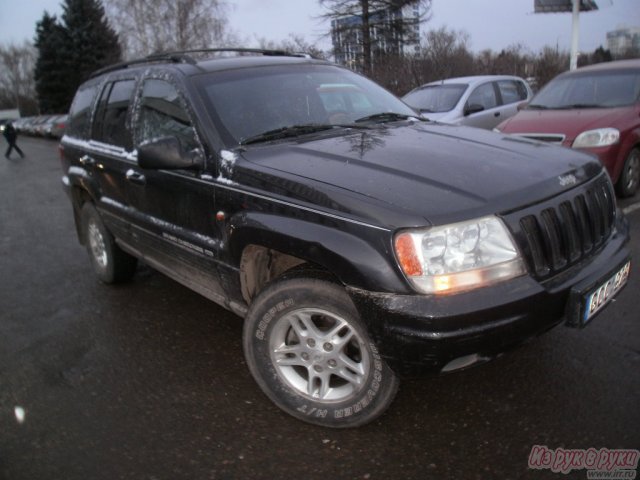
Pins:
x,y
310,353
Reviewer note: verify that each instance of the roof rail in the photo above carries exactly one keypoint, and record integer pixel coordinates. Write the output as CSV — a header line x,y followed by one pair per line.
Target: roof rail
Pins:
x,y
184,56
262,51
156,57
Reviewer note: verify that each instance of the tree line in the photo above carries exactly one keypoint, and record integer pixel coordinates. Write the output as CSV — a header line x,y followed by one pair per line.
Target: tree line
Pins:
x,y
42,77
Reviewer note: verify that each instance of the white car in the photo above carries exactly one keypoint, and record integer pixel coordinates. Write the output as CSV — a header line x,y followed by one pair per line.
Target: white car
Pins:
x,y
479,101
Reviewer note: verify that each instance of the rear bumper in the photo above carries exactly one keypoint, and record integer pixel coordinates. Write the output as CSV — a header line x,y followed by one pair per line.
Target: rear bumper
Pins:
x,y
419,333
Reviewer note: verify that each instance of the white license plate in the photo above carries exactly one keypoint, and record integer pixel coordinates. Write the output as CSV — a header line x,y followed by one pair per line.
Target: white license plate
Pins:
x,y
605,292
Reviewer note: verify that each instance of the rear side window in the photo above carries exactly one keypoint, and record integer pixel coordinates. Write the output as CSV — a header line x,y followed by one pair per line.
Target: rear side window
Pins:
x,y
80,112
111,115
512,91
162,114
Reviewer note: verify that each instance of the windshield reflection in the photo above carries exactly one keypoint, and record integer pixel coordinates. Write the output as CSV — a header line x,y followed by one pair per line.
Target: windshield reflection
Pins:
x,y
247,103
592,90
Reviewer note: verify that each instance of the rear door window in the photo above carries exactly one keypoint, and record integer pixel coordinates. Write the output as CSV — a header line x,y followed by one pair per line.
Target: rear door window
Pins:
x,y
512,91
111,114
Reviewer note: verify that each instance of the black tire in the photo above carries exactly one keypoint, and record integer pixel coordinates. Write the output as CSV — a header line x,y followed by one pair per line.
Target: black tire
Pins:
x,y
335,380
629,180
110,263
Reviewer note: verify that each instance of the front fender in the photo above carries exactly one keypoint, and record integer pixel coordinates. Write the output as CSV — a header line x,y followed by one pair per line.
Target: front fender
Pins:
x,y
358,255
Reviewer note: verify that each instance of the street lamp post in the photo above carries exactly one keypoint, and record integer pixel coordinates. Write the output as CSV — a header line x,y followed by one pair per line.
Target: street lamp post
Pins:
x,y
575,34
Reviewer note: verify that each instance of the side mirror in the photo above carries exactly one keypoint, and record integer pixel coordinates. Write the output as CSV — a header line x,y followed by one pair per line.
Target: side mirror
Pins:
x,y
473,108
166,153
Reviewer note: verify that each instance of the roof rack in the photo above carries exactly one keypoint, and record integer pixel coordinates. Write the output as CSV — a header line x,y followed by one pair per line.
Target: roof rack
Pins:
x,y
184,56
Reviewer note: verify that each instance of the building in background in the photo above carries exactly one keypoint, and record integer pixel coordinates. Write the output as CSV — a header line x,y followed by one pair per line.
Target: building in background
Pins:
x,y
393,31
623,40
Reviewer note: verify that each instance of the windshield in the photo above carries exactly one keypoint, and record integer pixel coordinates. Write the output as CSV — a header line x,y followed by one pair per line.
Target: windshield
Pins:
x,y
435,98
246,103
590,90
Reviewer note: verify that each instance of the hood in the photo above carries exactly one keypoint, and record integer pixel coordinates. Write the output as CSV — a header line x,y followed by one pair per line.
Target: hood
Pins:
x,y
566,122
422,172
452,116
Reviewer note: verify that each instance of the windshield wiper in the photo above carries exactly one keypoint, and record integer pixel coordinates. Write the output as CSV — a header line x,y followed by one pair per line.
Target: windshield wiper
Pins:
x,y
578,105
284,132
533,106
294,131
387,117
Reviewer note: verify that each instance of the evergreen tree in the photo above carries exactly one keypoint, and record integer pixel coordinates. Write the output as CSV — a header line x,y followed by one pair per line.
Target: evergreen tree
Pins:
x,y
90,41
48,74
71,51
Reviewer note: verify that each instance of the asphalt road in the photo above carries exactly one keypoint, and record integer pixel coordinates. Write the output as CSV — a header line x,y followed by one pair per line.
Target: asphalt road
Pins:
x,y
147,380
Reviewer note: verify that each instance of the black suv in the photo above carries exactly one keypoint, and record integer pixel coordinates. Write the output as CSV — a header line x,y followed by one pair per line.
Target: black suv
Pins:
x,y
358,242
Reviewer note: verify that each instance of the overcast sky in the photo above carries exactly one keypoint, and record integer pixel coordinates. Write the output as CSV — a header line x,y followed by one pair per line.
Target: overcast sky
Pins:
x,y
494,24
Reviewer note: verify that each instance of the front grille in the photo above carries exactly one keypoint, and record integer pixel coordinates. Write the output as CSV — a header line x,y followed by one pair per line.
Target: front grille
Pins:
x,y
557,234
556,138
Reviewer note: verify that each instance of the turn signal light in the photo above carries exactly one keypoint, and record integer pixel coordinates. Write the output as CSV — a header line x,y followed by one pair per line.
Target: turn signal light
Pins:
x,y
407,256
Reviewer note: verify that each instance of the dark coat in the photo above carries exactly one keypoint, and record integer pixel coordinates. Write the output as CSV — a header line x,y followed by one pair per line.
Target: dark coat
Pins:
x,y
10,133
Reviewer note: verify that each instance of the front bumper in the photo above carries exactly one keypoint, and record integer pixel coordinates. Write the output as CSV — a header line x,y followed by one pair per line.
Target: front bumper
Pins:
x,y
421,333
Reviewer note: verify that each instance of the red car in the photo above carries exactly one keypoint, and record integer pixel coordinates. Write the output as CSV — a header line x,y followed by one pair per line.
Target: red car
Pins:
x,y
595,109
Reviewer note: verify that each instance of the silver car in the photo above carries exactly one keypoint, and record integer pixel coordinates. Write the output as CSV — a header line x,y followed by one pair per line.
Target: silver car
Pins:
x,y
479,101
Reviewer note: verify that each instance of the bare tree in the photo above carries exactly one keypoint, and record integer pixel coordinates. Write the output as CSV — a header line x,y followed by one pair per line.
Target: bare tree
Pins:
x,y
446,54
361,20
149,26
16,75
549,63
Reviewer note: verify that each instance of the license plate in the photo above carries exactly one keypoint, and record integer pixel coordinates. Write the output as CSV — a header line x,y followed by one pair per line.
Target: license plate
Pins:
x,y
602,295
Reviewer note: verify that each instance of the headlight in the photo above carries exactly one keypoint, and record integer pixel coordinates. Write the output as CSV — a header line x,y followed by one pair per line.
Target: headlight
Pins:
x,y
601,137
459,256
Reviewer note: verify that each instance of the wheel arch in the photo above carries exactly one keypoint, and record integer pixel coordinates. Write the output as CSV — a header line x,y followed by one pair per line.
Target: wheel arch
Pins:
x,y
80,196
264,246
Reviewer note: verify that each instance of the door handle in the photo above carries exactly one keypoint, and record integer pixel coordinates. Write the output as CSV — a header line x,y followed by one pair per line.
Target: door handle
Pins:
x,y
135,177
497,114
87,161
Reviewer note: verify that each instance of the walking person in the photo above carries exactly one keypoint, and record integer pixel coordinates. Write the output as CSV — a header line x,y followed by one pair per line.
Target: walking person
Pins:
x,y
11,135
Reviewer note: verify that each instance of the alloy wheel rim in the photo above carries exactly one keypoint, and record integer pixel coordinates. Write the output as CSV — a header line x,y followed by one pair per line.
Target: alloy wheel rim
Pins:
x,y
96,243
320,355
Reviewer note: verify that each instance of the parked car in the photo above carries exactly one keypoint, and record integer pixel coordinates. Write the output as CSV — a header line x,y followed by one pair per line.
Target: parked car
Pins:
x,y
3,122
35,126
358,242
58,126
18,123
46,127
478,101
595,109
21,124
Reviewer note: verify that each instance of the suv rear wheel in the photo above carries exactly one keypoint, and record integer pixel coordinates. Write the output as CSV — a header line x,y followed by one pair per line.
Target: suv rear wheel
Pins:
x,y
310,353
111,264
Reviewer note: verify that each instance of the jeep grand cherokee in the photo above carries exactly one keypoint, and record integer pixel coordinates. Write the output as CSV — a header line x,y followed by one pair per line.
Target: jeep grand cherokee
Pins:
x,y
359,242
